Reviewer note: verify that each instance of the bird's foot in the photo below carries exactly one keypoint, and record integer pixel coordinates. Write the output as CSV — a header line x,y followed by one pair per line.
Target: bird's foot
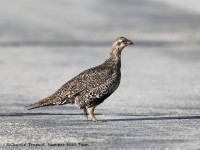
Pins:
x,y
93,119
99,120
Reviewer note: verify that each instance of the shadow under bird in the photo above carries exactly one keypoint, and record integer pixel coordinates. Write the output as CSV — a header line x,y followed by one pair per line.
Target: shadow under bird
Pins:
x,y
91,87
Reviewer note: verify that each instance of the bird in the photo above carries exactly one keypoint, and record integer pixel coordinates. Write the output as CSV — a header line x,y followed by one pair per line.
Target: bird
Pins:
x,y
91,87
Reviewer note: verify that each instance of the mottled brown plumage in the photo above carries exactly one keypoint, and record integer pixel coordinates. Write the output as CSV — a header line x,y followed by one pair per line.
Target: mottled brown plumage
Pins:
x,y
92,86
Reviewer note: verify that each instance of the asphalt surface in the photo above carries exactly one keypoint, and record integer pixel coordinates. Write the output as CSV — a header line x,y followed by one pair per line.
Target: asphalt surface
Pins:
x,y
44,44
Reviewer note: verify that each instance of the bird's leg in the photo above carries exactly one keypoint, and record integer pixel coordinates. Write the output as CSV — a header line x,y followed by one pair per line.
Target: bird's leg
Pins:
x,y
85,112
91,114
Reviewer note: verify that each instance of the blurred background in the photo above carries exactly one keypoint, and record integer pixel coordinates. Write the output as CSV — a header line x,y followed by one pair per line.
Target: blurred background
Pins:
x,y
45,23
45,43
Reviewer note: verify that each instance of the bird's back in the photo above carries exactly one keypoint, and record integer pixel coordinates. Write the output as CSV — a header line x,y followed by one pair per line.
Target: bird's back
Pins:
x,y
87,89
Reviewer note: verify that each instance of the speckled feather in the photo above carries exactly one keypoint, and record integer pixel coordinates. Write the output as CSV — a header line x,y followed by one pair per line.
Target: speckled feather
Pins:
x,y
85,88
92,86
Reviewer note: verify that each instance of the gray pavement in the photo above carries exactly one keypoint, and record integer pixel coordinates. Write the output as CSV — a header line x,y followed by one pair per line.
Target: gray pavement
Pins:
x,y
44,44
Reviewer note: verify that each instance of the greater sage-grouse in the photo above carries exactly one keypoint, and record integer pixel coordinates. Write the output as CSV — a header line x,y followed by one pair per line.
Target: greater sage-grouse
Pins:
x,y
91,87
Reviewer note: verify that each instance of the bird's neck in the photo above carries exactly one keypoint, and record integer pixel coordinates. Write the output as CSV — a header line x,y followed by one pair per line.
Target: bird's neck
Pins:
x,y
115,58
115,54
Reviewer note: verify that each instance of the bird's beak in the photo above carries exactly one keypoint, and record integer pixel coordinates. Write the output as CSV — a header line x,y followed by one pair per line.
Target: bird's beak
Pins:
x,y
129,42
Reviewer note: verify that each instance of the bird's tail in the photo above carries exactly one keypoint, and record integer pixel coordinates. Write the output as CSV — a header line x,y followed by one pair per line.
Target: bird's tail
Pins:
x,y
44,102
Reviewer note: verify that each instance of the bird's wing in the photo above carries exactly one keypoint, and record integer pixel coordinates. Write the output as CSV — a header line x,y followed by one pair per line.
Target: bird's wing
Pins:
x,y
87,80
100,92
100,83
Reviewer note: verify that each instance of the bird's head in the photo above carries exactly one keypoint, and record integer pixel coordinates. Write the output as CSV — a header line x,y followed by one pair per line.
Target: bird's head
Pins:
x,y
120,43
